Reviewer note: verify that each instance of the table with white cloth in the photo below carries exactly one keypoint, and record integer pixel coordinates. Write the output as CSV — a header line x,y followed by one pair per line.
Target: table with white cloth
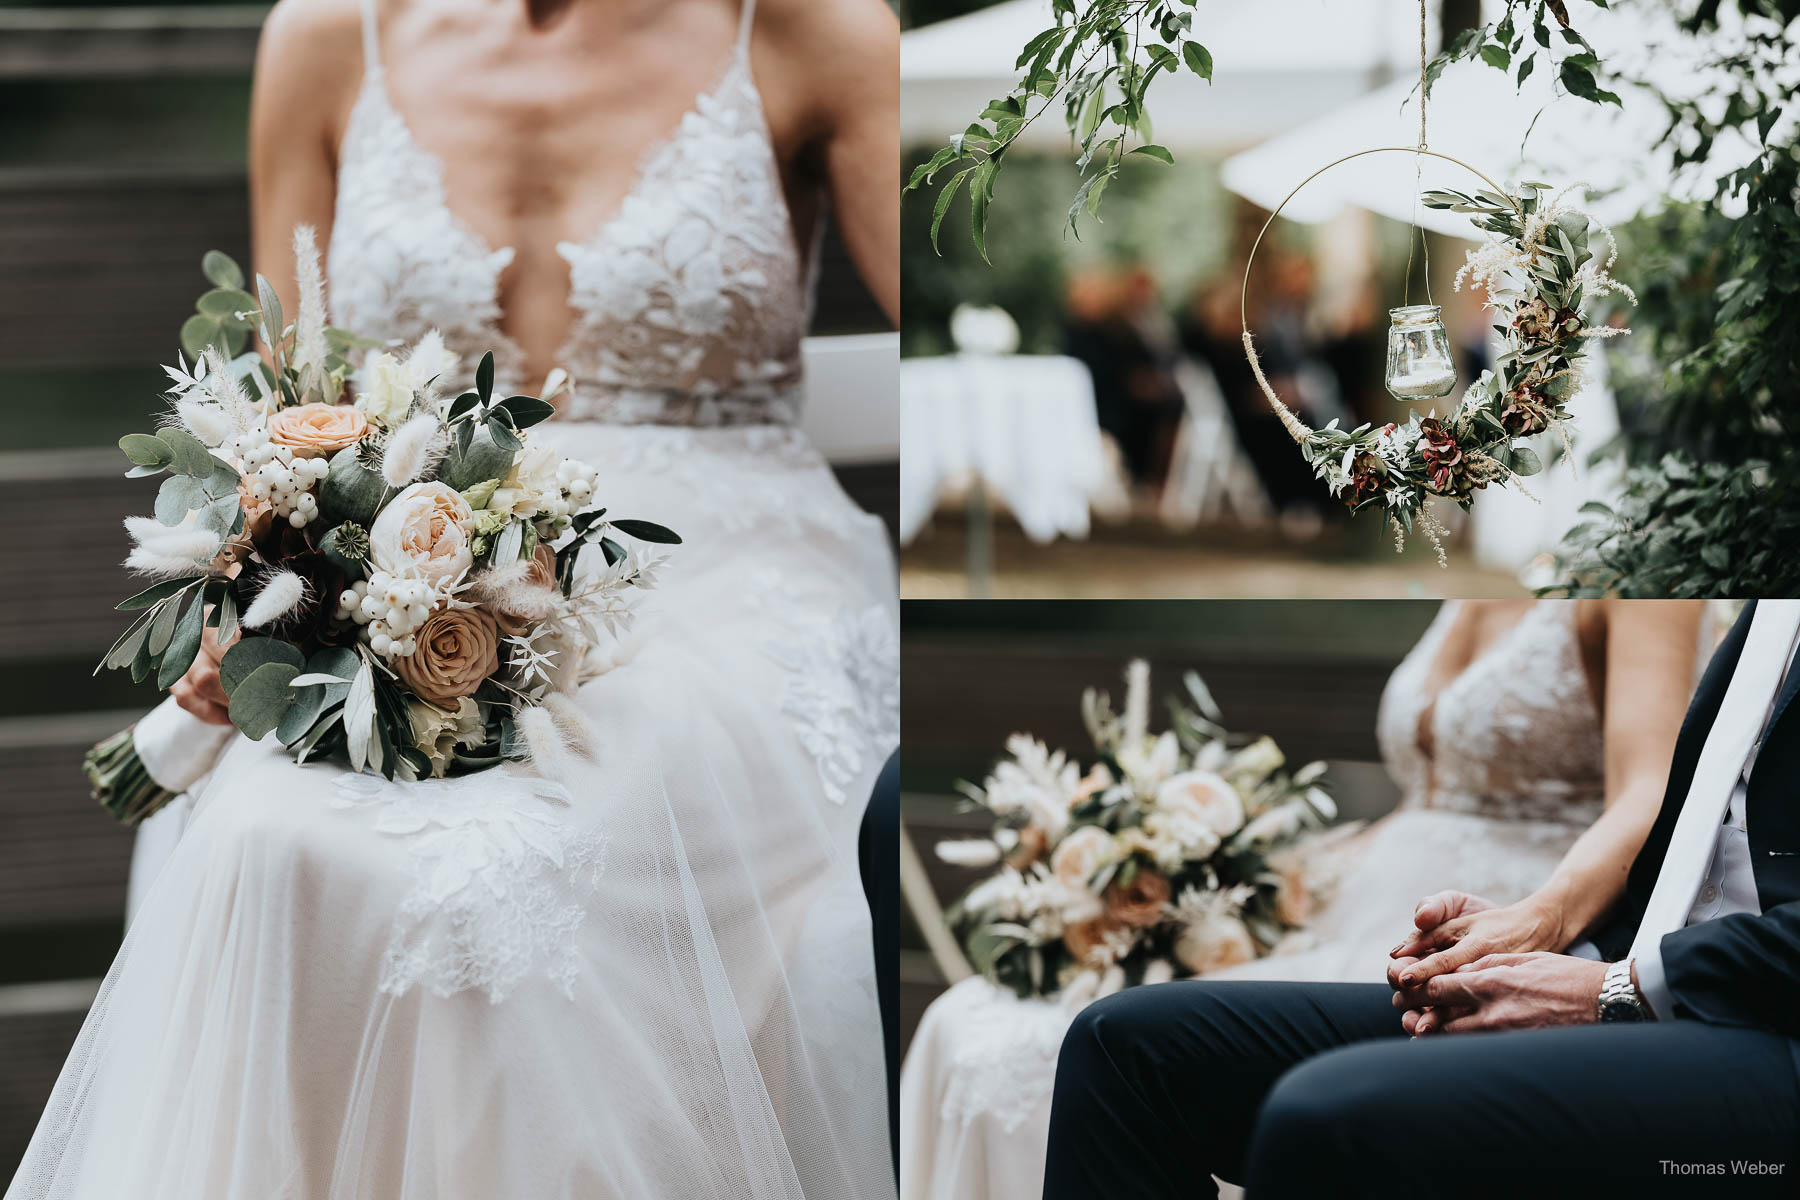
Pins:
x,y
1021,430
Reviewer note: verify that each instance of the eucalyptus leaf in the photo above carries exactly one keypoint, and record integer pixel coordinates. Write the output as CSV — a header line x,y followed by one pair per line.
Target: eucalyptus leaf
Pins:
x,y
221,270
178,496
262,699
252,653
198,332
188,454
224,304
146,450
301,712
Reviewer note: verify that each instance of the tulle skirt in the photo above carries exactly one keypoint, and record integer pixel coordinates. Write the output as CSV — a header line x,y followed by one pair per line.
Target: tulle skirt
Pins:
x,y
653,982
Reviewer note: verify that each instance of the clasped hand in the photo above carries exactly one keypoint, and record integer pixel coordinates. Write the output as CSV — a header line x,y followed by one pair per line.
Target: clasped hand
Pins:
x,y
1470,965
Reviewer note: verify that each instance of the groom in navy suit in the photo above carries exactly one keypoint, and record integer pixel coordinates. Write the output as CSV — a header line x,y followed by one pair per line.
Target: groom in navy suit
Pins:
x,y
1664,1058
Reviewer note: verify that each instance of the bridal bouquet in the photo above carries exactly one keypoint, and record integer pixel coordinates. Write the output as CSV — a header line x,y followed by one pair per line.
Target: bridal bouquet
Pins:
x,y
404,569
1174,854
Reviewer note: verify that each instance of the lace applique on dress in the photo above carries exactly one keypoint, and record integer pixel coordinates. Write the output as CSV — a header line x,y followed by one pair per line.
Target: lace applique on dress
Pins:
x,y
691,301
500,881
1003,1054
746,479
400,261
689,304
1515,735
843,692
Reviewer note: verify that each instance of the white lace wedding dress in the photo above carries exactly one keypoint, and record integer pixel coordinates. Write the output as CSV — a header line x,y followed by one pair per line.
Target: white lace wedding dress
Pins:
x,y
1515,776
657,986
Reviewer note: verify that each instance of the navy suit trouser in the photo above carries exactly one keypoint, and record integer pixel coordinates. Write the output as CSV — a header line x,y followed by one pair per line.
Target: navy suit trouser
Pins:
x,y
1313,1090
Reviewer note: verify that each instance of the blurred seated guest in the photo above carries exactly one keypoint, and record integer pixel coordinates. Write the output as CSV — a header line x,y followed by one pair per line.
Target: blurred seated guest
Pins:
x,y
1353,346
1211,332
1117,329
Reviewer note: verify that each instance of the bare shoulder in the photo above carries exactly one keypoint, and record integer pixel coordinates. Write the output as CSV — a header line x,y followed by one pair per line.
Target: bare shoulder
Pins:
x,y
841,39
309,58
1674,624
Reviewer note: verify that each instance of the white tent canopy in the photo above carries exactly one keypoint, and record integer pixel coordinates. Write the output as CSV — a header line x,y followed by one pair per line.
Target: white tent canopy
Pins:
x,y
1479,115
1277,63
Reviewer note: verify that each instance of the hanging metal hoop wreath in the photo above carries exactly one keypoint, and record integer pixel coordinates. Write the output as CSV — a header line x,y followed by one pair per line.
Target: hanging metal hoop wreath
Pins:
x,y
1296,428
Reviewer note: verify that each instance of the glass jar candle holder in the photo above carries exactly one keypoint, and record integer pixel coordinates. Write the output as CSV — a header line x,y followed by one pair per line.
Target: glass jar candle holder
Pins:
x,y
1419,365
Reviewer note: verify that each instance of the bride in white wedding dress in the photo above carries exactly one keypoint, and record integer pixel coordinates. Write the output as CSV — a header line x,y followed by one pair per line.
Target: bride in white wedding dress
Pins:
x,y
1530,741
657,984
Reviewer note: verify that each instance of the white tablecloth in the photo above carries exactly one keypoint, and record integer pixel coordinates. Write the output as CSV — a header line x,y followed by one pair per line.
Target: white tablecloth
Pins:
x,y
1024,425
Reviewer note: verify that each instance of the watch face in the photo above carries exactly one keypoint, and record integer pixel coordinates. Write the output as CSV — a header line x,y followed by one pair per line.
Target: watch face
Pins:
x,y
1621,1009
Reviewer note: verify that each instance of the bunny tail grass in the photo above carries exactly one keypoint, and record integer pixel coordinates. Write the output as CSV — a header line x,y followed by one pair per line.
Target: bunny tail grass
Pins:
x,y
415,448
578,732
544,744
309,329
279,596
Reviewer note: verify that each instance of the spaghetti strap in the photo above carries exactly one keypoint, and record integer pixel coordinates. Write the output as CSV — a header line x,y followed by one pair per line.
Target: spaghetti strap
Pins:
x,y
371,39
746,18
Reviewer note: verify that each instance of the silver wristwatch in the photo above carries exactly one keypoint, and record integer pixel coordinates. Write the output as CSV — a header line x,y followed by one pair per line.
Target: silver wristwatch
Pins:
x,y
1620,999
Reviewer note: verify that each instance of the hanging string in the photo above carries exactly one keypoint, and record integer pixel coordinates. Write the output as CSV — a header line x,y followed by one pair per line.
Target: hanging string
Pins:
x,y
1422,83
1418,181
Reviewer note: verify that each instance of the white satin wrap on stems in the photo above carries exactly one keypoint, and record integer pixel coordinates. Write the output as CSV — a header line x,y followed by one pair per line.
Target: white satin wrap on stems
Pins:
x,y
651,980
178,748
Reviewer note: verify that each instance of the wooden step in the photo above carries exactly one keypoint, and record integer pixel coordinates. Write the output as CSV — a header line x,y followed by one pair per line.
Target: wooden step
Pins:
x,y
38,1024
63,859
111,43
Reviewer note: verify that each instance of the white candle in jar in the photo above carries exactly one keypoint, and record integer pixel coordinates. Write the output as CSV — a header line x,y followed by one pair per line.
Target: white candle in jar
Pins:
x,y
1427,382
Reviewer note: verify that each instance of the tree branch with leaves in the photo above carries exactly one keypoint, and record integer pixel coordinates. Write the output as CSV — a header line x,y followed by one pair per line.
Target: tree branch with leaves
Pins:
x,y
1097,64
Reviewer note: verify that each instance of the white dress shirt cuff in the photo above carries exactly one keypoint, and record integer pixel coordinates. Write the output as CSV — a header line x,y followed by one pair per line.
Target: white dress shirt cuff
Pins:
x,y
1654,984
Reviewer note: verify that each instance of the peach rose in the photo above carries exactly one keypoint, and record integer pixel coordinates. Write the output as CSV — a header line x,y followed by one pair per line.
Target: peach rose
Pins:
x,y
458,648
1087,940
423,533
540,574
1081,854
1204,798
1141,901
1213,943
313,430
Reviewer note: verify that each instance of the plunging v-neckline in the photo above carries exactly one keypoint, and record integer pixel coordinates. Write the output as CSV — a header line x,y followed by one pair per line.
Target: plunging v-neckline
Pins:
x,y
375,92
1427,716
